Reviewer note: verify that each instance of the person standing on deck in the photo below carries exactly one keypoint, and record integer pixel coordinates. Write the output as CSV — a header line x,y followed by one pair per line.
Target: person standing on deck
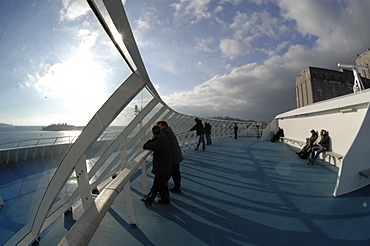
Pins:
x,y
161,166
236,130
176,155
200,132
207,129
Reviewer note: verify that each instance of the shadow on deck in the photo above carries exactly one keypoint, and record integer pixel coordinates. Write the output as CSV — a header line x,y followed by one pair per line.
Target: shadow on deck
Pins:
x,y
240,192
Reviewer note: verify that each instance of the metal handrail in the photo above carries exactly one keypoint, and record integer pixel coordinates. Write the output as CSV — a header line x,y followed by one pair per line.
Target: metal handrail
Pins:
x,y
43,141
85,227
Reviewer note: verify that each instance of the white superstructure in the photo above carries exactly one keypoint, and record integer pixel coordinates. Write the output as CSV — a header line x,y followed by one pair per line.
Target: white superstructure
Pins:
x,y
347,119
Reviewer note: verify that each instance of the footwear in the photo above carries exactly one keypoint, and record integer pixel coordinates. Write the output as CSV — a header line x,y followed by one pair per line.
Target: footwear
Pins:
x,y
298,153
175,190
147,202
162,202
203,150
195,149
310,163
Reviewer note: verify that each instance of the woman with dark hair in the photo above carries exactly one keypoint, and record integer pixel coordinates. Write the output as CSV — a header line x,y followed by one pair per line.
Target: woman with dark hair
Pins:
x,y
161,166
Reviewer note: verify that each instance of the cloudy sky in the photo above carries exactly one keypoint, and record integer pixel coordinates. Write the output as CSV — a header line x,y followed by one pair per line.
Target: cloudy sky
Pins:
x,y
240,58
236,58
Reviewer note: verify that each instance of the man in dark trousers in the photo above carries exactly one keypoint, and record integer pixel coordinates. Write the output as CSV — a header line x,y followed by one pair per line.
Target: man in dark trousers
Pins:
x,y
322,147
200,132
236,130
176,155
207,130
161,166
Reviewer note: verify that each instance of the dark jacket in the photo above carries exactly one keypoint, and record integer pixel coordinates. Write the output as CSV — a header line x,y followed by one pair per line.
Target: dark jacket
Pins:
x,y
161,155
280,133
207,128
176,152
325,141
198,127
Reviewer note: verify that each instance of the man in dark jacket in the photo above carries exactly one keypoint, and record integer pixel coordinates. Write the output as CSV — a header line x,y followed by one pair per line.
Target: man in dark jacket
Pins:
x,y
176,155
200,132
207,130
278,135
323,146
161,166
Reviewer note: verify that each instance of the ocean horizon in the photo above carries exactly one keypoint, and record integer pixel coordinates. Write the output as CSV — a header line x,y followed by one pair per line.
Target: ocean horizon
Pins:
x,y
12,133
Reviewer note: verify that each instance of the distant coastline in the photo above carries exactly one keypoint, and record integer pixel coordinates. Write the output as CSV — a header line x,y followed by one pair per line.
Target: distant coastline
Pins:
x,y
5,125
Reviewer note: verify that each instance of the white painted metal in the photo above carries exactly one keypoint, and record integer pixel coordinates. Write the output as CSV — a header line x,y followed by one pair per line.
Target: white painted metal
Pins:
x,y
357,84
85,227
127,188
85,193
115,104
348,130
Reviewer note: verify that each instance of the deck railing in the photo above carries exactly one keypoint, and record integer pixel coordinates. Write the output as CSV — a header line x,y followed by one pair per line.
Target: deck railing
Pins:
x,y
34,148
87,225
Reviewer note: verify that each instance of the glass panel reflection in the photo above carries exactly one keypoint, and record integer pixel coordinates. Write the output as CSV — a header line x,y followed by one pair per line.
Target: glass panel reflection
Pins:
x,y
104,156
57,65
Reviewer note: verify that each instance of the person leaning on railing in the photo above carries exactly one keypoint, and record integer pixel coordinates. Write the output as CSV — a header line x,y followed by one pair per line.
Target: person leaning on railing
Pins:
x,y
176,154
198,127
161,166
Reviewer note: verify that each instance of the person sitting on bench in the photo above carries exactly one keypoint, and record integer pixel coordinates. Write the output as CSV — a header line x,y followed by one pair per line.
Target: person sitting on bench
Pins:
x,y
323,146
305,151
279,133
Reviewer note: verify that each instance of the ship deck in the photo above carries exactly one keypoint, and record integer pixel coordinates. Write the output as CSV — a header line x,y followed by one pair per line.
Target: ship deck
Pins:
x,y
239,192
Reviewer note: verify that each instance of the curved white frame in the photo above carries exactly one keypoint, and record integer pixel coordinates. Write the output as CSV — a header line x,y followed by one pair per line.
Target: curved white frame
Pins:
x,y
75,159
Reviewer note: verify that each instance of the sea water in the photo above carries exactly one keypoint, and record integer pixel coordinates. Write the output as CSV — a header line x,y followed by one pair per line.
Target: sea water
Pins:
x,y
21,133
10,134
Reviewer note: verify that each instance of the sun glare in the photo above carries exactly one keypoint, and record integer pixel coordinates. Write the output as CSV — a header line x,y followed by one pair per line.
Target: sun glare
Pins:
x,y
79,82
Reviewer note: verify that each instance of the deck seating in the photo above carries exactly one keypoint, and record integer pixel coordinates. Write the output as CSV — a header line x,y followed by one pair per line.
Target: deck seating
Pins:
x,y
365,173
299,142
302,143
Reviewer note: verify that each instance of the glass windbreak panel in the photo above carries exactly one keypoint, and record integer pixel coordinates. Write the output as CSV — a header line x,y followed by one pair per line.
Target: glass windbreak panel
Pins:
x,y
57,68
142,132
22,185
102,156
69,187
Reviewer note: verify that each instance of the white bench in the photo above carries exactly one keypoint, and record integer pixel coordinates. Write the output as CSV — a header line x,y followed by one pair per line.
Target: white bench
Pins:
x,y
299,142
364,174
302,143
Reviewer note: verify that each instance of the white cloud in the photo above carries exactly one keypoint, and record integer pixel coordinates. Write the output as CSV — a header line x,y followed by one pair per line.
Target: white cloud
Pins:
x,y
73,9
204,43
195,9
234,2
233,48
262,91
148,20
306,33
247,28
242,93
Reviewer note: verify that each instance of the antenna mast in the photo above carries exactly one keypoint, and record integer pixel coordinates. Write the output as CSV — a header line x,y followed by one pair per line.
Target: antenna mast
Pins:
x,y
357,85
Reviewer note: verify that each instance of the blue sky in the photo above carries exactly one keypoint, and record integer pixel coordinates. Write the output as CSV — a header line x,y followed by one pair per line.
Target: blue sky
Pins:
x,y
236,58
